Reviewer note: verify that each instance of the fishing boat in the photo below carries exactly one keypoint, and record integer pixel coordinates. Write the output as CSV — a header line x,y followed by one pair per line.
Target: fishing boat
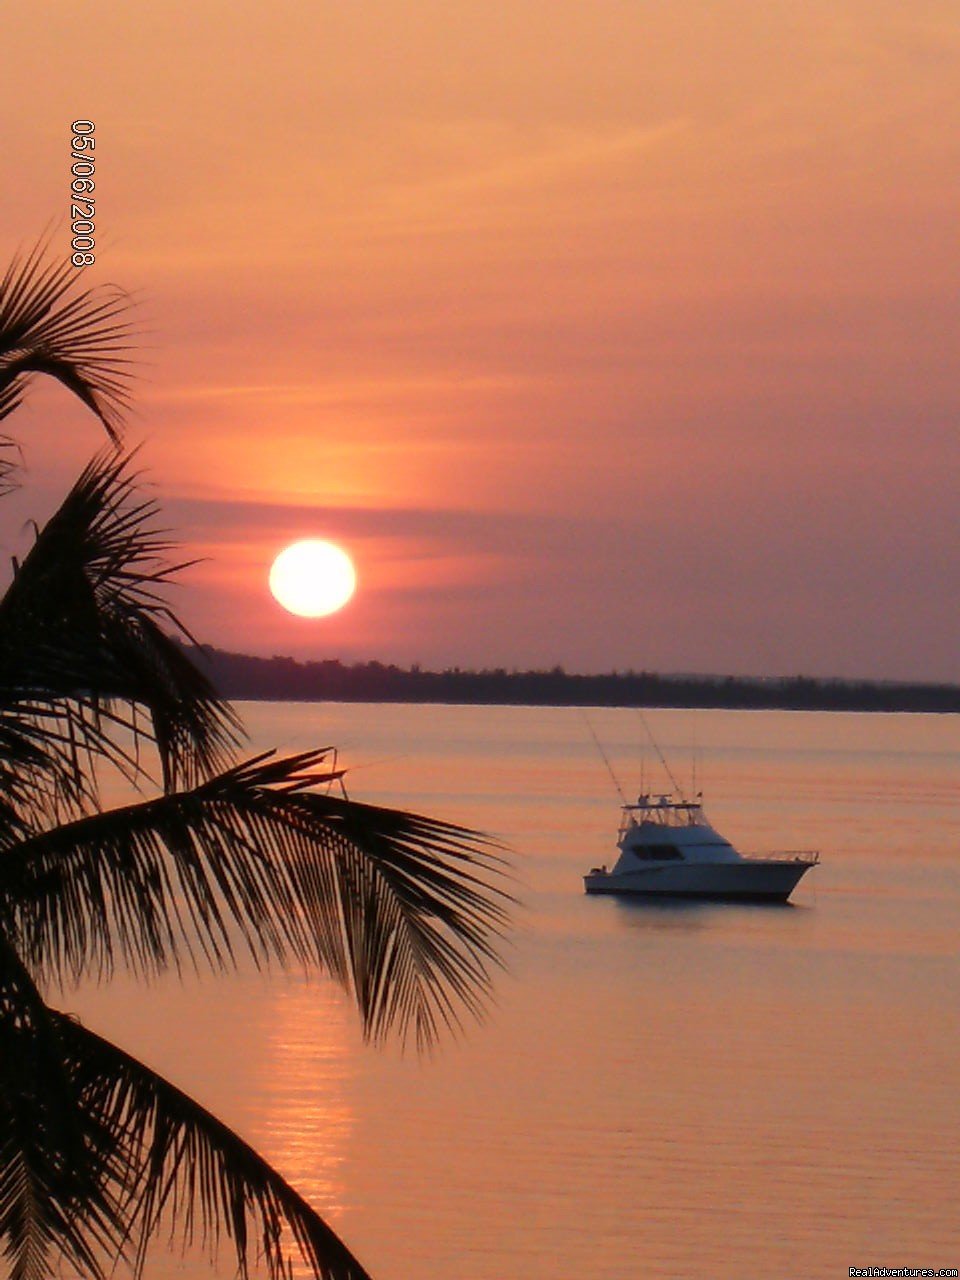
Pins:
x,y
668,848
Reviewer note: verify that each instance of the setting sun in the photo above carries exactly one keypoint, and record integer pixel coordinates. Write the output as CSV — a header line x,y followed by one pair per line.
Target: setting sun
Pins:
x,y
313,578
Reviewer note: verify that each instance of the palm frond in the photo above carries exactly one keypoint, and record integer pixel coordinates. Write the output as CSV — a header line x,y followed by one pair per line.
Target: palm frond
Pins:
x,y
54,1196
83,645
404,911
423,910
264,857
9,457
185,1166
80,338
97,1152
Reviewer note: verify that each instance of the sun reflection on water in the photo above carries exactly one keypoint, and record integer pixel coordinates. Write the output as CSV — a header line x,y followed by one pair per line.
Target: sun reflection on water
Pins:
x,y
307,1117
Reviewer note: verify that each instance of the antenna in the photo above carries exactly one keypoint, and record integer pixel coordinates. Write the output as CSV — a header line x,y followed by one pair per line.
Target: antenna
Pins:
x,y
603,756
656,746
694,764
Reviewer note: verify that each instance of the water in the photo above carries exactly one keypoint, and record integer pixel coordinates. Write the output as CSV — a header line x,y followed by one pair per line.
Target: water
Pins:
x,y
659,1090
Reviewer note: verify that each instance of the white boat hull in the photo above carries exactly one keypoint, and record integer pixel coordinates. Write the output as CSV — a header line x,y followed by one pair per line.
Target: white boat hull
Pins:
x,y
746,880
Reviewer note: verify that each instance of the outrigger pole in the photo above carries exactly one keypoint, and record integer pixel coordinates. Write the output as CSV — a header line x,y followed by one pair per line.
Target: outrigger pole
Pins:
x,y
656,746
603,757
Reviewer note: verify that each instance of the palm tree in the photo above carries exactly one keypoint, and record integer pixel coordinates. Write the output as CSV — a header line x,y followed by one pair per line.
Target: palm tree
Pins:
x,y
265,857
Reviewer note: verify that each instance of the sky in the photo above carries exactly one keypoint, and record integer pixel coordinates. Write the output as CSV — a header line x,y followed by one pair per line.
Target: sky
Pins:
x,y
613,335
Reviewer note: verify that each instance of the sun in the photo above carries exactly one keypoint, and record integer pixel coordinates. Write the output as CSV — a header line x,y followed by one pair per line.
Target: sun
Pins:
x,y
313,578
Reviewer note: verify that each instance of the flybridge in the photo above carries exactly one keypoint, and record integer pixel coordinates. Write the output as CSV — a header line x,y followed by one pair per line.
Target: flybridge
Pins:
x,y
665,803
666,810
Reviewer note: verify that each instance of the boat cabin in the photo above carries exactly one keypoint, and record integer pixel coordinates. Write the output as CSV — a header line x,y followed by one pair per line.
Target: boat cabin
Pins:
x,y
665,829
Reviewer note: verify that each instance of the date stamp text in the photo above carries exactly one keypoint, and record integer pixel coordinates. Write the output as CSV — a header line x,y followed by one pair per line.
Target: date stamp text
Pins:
x,y
82,200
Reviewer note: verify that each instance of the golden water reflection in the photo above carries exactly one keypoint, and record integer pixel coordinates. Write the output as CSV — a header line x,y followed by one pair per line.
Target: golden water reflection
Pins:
x,y
306,1118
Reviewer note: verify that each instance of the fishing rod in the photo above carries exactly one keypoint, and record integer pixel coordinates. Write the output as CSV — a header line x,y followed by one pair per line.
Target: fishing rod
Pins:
x,y
603,757
656,746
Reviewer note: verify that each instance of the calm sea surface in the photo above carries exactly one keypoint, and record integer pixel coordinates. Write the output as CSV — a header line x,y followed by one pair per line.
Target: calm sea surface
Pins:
x,y
659,1091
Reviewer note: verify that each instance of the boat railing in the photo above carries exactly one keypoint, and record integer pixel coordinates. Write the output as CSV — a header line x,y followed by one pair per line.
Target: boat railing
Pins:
x,y
809,857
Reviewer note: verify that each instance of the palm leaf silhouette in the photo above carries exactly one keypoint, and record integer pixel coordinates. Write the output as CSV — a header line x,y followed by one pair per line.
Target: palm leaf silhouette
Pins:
x,y
180,1161
84,653
54,1199
78,338
263,857
396,907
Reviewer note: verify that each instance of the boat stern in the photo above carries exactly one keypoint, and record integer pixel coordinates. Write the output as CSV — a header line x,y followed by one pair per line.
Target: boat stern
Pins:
x,y
597,880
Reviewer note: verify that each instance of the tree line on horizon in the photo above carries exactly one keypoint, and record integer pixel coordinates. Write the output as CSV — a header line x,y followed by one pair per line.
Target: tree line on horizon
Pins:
x,y
279,678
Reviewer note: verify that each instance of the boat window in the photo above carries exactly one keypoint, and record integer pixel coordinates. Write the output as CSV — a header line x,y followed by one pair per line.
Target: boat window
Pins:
x,y
657,852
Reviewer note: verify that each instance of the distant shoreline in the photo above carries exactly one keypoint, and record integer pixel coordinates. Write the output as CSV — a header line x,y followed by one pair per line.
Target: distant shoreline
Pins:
x,y
279,679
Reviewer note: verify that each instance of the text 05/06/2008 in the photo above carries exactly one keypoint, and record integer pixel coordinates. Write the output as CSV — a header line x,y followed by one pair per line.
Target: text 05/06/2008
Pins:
x,y
82,200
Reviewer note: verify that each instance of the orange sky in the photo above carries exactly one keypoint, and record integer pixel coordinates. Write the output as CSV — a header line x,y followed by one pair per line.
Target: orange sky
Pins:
x,y
608,334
